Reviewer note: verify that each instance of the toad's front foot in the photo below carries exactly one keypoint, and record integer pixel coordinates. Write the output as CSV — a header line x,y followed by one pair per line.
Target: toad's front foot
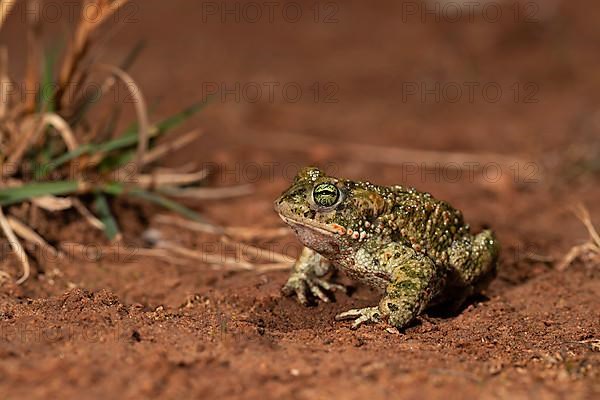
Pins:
x,y
301,283
360,315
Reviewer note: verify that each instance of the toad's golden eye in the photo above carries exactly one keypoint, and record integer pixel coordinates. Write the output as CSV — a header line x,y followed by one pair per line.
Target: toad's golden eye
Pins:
x,y
326,194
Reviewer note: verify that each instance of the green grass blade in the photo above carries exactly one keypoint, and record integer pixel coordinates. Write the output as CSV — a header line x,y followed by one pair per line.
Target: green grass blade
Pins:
x,y
167,124
179,118
128,139
89,148
15,195
64,158
45,101
47,90
133,55
168,204
111,229
170,122
118,189
113,162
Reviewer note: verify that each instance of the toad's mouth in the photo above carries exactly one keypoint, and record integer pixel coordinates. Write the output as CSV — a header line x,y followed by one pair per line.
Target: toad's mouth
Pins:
x,y
324,229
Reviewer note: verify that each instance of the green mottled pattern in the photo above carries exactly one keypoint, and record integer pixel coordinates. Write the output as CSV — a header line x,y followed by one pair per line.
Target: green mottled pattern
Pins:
x,y
417,250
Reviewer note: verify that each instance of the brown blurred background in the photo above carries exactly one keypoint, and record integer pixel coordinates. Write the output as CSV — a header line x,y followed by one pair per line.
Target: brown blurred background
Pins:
x,y
358,65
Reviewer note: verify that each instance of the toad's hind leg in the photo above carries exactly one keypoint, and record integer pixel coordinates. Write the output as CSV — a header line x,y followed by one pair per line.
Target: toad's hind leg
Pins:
x,y
473,261
412,280
414,283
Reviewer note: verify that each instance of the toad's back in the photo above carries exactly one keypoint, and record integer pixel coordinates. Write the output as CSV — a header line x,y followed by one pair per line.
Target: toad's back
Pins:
x,y
419,220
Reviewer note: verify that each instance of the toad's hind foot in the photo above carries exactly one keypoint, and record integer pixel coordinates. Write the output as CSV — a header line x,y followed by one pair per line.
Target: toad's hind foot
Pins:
x,y
360,315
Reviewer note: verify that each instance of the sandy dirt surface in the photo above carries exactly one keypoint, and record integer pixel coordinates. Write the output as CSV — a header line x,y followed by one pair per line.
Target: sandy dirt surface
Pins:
x,y
295,90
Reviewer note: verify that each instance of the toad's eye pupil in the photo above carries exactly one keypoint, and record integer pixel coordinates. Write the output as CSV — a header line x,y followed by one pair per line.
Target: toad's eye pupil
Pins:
x,y
326,194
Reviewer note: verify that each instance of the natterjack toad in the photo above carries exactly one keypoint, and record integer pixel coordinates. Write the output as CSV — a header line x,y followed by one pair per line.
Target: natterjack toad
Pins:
x,y
417,250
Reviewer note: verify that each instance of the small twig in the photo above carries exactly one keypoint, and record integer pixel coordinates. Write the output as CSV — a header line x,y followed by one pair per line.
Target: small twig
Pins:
x,y
4,80
591,247
63,128
573,254
164,179
171,146
140,108
539,258
584,216
594,344
160,253
16,246
246,233
282,262
32,75
273,267
31,132
191,225
29,235
186,168
53,203
272,255
205,257
209,193
154,237
33,127
87,214
5,7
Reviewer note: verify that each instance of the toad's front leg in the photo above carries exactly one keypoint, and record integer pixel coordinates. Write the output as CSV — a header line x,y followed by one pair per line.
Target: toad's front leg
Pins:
x,y
413,281
307,276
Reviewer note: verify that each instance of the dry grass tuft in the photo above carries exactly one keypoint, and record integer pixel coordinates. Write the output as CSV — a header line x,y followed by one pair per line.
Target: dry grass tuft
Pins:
x,y
53,156
82,41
